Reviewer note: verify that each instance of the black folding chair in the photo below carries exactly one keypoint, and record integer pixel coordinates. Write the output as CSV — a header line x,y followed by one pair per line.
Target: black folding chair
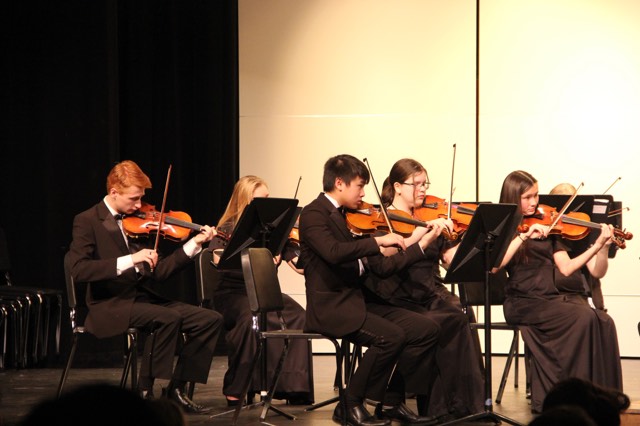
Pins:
x,y
472,294
78,329
33,310
265,295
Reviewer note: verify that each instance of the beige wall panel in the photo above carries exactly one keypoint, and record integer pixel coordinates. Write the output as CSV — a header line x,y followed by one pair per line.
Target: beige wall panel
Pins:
x,y
559,97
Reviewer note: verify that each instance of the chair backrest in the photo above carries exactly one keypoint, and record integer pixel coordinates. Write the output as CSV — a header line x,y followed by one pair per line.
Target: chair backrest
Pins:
x,y
261,278
473,293
71,288
207,278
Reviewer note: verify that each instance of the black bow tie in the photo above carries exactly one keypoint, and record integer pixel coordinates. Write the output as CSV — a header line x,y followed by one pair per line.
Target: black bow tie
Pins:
x,y
118,216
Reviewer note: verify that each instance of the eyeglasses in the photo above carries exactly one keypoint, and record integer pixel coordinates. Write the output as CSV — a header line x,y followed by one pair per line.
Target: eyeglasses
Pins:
x,y
424,185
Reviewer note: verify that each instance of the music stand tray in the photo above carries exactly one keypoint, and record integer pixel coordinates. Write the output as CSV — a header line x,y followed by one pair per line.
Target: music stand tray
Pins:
x,y
482,248
265,222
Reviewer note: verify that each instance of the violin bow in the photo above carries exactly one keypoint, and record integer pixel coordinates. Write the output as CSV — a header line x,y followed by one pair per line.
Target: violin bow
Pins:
x,y
295,195
451,188
611,186
164,202
566,206
382,208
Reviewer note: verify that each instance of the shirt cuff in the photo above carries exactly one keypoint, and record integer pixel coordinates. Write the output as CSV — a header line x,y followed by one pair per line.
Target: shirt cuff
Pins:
x,y
123,263
191,248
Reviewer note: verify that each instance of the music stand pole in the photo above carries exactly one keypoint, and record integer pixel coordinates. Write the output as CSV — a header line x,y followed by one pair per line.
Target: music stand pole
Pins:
x,y
494,225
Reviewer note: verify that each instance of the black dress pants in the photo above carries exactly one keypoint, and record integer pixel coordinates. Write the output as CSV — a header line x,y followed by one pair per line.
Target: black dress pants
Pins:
x,y
169,320
392,335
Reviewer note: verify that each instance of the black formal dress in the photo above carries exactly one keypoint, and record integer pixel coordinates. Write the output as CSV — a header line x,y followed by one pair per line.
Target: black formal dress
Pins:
x,y
459,386
565,339
230,299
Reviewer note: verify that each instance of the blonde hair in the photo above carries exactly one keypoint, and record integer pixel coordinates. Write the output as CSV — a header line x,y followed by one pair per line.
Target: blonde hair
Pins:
x,y
563,189
240,198
125,175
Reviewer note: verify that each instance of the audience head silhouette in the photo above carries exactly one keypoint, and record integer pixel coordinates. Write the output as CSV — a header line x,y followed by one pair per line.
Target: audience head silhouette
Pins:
x,y
100,404
602,405
563,415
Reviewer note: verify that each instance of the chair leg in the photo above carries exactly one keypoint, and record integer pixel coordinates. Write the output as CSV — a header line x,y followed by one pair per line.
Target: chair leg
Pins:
x,y
58,323
245,389
5,329
341,388
132,348
63,378
505,374
276,377
516,368
347,360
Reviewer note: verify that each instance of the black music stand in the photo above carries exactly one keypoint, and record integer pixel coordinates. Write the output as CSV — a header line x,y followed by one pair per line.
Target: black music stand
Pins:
x,y
265,222
483,247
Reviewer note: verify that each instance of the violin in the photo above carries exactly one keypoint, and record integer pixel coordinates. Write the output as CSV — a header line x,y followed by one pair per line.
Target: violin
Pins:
x,y
177,225
368,219
572,225
434,208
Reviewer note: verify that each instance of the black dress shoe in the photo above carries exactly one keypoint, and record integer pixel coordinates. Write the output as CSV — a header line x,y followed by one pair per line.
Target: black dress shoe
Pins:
x,y
403,414
187,405
358,416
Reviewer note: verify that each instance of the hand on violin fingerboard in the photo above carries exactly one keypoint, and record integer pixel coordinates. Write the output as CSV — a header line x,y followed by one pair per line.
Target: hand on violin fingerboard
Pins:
x,y
606,235
206,234
437,226
537,231
391,240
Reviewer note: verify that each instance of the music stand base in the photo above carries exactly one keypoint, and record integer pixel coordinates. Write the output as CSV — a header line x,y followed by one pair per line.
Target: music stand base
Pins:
x,y
263,415
323,403
490,415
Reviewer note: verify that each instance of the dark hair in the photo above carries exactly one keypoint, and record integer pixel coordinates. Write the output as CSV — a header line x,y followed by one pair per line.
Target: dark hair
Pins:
x,y
400,171
345,167
514,185
601,404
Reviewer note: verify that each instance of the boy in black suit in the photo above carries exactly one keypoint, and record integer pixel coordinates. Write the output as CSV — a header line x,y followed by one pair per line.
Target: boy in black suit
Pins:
x,y
335,265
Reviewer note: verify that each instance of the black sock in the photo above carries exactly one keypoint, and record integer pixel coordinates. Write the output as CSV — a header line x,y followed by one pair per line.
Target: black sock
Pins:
x,y
352,401
145,383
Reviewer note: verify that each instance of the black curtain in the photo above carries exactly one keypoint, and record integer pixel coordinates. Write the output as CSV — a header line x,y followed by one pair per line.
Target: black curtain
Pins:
x,y
86,84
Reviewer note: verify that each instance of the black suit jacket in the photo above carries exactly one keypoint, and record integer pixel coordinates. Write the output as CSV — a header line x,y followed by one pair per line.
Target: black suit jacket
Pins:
x,y
335,301
96,245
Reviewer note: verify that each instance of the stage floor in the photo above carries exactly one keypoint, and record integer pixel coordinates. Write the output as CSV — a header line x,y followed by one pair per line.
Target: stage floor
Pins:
x,y
22,389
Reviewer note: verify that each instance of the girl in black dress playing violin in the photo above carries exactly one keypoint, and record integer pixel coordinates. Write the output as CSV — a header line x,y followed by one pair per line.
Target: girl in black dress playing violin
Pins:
x,y
565,339
457,391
